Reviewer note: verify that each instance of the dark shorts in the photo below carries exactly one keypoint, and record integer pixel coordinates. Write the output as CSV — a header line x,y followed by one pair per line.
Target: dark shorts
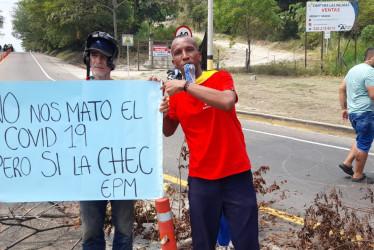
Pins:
x,y
235,196
363,124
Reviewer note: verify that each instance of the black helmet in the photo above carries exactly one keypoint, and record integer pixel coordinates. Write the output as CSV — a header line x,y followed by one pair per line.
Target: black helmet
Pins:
x,y
105,44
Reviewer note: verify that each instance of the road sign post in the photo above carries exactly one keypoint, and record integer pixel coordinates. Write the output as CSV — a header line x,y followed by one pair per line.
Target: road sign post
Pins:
x,y
327,37
128,40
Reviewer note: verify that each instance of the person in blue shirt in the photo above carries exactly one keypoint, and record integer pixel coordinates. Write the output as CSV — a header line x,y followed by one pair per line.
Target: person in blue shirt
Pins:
x,y
356,95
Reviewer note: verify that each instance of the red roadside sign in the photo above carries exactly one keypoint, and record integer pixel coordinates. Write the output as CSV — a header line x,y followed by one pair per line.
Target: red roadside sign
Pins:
x,y
183,30
160,50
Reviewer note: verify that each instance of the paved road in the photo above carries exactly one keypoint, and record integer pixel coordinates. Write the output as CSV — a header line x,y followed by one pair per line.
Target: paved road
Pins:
x,y
308,161
26,66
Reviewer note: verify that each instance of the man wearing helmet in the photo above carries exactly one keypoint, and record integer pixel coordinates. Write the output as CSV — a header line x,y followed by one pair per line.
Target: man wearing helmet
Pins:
x,y
100,54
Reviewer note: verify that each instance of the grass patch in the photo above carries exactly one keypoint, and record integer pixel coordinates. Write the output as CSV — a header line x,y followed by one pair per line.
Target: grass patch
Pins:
x,y
290,45
331,65
293,68
66,54
71,56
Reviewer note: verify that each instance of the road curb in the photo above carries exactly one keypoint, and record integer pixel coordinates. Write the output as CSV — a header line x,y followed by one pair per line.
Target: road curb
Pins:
x,y
298,123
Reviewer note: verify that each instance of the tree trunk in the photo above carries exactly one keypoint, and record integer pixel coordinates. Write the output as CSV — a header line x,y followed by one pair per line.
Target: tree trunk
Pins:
x,y
248,62
115,7
115,18
135,3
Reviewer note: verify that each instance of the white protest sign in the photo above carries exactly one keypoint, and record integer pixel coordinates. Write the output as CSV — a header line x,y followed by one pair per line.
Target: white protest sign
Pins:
x,y
331,16
81,140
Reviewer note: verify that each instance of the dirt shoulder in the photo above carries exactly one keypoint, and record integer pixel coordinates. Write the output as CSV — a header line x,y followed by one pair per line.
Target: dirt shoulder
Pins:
x,y
314,98
233,53
307,98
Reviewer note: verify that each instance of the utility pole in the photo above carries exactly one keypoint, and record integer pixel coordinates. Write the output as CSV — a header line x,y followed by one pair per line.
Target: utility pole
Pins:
x,y
210,36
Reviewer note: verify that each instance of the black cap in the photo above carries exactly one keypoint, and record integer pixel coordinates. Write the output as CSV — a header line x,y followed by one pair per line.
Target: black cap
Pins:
x,y
103,47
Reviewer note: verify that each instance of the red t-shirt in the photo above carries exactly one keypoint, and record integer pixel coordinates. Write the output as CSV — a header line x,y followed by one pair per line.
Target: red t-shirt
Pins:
x,y
214,137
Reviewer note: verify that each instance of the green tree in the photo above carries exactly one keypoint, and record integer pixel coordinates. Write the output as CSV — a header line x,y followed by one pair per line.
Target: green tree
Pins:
x,y
284,5
193,13
29,22
199,14
61,24
153,11
38,23
1,19
70,22
290,23
365,14
367,34
1,22
253,18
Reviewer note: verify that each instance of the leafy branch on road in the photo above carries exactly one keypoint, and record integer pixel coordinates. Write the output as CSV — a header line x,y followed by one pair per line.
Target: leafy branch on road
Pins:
x,y
334,225
40,218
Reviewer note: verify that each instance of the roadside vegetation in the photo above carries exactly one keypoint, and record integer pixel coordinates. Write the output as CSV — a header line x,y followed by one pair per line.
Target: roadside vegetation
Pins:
x,y
1,22
64,25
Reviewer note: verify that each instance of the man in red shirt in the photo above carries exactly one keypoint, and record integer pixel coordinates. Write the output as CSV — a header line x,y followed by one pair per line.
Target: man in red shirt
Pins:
x,y
219,178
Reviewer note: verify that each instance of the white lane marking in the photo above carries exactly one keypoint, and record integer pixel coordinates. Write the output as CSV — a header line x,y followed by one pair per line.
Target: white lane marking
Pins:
x,y
300,140
45,73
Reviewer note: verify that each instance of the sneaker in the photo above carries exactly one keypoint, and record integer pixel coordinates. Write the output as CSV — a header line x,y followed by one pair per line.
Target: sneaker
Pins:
x,y
363,179
346,169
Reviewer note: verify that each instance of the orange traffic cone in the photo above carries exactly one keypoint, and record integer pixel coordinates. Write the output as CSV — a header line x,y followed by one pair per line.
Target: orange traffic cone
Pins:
x,y
165,224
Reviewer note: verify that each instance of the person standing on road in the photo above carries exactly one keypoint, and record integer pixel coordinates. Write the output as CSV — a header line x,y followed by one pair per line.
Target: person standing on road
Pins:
x,y
220,177
100,54
356,95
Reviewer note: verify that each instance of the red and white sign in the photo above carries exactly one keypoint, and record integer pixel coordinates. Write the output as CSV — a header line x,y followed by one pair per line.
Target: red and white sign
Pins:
x,y
183,30
160,50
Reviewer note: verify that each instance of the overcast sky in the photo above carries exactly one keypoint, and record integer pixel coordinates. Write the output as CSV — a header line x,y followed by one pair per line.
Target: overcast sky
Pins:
x,y
6,6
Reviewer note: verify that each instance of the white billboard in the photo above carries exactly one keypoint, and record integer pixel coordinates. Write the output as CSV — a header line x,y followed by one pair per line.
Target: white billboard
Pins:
x,y
331,16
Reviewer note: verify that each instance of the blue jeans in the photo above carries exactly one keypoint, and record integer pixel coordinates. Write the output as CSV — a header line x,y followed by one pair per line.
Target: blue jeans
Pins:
x,y
93,218
363,124
236,197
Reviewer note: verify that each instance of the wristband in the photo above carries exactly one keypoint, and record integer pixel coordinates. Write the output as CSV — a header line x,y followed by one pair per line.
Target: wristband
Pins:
x,y
185,87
